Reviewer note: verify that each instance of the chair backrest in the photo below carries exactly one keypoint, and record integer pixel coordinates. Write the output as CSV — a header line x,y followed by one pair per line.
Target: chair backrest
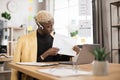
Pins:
x,y
85,56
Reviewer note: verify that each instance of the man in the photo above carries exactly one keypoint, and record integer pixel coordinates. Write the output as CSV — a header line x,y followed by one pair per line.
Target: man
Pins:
x,y
37,45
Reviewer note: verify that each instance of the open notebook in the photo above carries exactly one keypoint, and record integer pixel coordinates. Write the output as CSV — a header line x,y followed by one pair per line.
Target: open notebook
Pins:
x,y
85,56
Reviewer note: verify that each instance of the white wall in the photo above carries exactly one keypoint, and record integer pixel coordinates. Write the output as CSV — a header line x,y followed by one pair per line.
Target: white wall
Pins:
x,y
20,16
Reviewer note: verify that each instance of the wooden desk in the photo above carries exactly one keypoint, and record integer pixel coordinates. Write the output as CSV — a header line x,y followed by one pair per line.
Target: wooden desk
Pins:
x,y
3,59
114,72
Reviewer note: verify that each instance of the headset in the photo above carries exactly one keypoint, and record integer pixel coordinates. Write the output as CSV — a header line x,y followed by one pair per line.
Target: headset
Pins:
x,y
40,26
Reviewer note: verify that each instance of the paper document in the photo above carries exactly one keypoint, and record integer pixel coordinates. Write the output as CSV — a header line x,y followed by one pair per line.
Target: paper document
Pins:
x,y
64,72
36,64
65,44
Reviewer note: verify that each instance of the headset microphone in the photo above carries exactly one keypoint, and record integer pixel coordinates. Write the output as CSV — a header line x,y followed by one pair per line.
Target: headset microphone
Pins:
x,y
40,26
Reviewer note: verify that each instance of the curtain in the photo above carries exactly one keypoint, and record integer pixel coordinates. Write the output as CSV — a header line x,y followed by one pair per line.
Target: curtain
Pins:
x,y
100,29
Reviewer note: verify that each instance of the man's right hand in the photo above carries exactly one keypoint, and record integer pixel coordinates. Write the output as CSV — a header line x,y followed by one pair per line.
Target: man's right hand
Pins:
x,y
51,51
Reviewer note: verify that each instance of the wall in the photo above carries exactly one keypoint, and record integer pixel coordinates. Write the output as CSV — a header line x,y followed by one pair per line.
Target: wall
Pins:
x,y
24,13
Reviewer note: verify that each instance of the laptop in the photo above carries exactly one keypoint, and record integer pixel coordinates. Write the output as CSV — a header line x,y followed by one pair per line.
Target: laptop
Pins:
x,y
85,56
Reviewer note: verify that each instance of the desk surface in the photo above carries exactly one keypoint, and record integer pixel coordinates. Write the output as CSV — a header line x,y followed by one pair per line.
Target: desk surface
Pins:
x,y
114,72
5,59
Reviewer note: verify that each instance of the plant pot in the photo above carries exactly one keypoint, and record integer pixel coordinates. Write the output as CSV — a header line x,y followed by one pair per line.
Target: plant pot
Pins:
x,y
100,68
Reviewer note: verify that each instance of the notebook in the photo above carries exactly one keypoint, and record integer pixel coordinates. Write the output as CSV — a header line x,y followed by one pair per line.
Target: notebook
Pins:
x,y
85,56
36,63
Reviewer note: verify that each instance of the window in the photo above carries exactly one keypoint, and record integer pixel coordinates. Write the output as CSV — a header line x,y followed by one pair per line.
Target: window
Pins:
x,y
74,18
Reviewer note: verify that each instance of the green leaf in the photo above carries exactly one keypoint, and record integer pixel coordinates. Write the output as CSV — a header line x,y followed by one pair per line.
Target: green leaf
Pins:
x,y
96,55
100,54
6,15
105,55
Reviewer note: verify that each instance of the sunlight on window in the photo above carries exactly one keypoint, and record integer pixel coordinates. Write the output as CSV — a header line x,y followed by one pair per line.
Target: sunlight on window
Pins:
x,y
74,17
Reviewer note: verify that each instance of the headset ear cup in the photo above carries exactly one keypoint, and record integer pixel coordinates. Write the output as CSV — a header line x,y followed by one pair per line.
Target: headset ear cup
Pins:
x,y
41,27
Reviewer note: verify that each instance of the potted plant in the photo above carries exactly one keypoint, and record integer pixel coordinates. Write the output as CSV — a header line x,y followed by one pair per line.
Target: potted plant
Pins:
x,y
6,15
100,66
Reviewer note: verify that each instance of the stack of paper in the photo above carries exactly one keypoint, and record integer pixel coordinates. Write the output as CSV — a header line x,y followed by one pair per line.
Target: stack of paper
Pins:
x,y
65,44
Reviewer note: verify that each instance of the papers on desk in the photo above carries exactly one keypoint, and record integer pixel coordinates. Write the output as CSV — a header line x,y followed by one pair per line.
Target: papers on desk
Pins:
x,y
36,64
65,44
64,72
